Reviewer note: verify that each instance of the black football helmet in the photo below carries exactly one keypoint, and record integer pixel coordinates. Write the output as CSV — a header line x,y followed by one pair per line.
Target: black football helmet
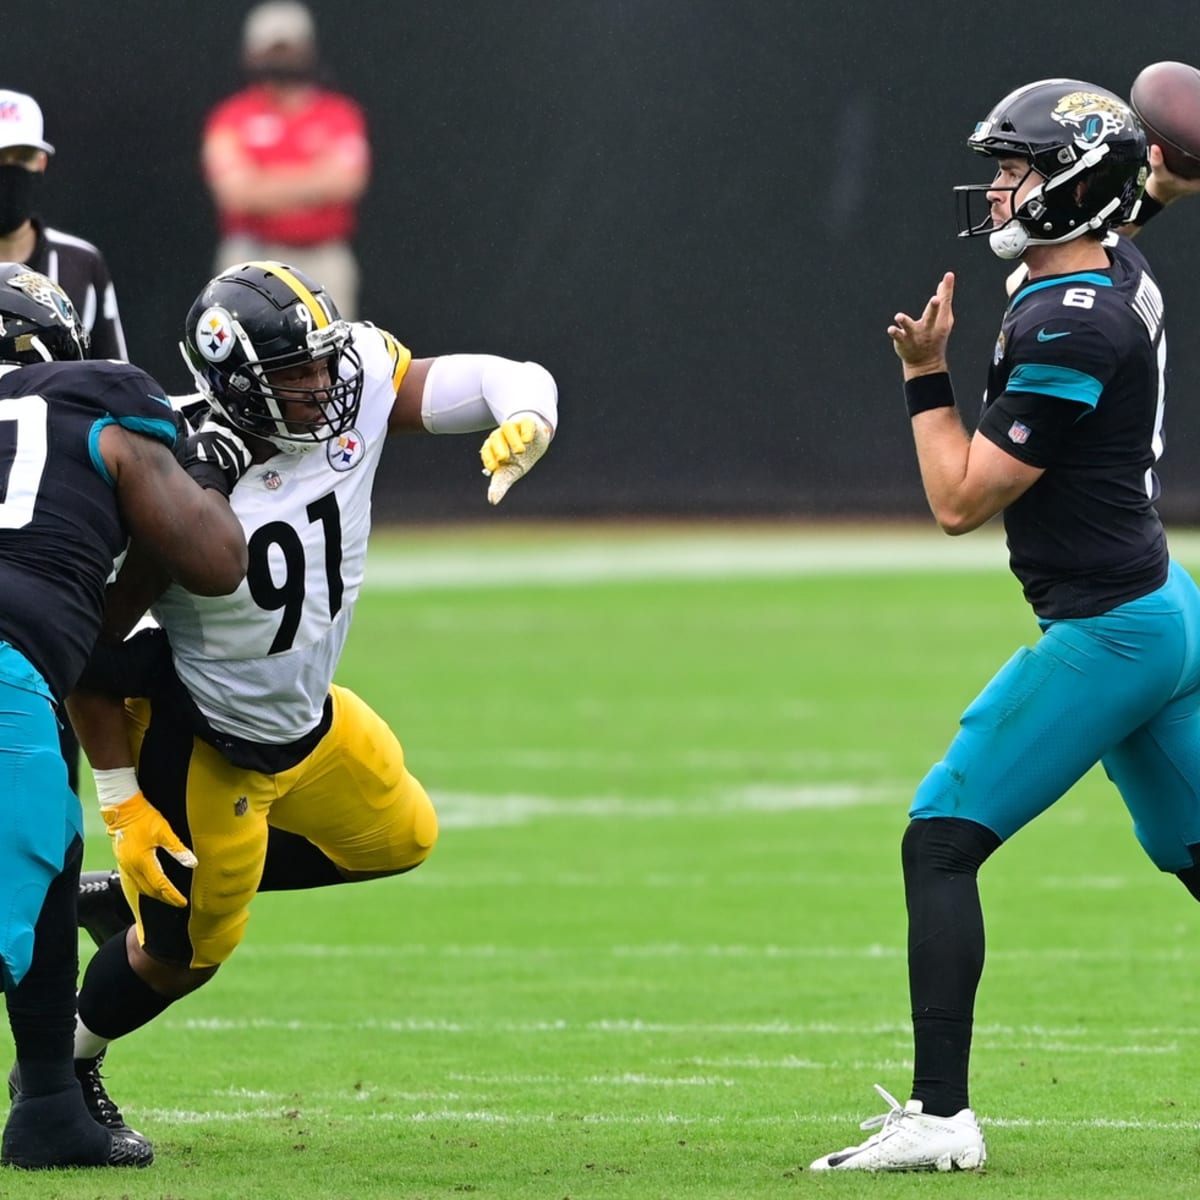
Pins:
x,y
38,322
255,319
1087,145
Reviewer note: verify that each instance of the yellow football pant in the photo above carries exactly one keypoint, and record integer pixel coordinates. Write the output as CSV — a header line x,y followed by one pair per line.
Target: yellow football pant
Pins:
x,y
352,797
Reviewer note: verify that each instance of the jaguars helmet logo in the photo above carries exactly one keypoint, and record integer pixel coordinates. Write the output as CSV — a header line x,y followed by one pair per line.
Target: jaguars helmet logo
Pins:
x,y
45,292
1091,118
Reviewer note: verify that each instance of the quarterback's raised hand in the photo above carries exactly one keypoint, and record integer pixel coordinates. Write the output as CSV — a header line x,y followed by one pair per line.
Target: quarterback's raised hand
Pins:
x,y
137,830
215,457
511,450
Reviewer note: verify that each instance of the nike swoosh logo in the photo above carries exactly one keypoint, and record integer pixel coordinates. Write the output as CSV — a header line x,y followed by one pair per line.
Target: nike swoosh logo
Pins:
x,y
160,399
1043,336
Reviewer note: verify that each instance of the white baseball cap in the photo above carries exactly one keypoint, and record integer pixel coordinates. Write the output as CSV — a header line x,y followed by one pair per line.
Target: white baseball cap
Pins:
x,y
277,23
21,122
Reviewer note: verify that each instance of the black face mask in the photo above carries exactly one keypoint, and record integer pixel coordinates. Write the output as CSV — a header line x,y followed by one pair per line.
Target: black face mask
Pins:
x,y
18,188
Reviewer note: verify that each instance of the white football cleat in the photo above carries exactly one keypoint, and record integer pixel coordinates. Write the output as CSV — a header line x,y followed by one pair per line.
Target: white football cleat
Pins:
x,y
910,1140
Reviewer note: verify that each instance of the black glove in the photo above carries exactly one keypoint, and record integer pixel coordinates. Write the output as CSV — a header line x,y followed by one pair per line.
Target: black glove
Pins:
x,y
215,457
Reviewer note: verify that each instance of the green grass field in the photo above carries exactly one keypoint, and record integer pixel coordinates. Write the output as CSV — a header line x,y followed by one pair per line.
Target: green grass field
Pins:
x,y
658,950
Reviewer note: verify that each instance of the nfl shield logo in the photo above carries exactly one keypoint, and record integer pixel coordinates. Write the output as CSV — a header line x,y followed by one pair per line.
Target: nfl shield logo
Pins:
x,y
1019,433
241,806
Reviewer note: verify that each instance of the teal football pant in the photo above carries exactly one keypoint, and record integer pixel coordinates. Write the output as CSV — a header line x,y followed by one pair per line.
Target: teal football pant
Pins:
x,y
1122,689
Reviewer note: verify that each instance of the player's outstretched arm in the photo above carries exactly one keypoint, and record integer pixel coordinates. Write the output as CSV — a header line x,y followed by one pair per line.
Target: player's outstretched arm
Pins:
x,y
190,530
466,393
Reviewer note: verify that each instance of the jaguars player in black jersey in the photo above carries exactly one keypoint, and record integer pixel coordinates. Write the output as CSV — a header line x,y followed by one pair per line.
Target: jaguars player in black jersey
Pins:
x,y
1065,449
87,460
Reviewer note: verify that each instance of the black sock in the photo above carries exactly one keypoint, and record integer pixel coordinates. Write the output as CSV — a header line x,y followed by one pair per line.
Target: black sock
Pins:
x,y
293,862
41,1008
114,999
941,857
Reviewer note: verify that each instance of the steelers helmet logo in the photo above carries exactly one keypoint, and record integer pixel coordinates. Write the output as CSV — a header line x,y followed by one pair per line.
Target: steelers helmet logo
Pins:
x,y
214,334
345,451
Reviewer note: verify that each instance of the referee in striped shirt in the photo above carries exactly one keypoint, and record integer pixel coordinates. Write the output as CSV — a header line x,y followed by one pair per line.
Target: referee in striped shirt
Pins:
x,y
74,264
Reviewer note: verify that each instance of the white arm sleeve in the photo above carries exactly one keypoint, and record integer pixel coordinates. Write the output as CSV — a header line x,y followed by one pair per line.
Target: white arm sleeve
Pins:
x,y
465,393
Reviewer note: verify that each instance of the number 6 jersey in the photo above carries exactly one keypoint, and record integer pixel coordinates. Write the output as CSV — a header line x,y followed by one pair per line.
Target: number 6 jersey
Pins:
x,y
1077,387
259,663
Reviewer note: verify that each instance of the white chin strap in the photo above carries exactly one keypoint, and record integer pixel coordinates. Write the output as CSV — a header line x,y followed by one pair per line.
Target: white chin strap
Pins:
x,y
1009,241
1012,239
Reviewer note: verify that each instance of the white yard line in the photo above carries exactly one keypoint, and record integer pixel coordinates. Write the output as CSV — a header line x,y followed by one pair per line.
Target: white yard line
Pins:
x,y
556,557
307,1112
1069,1039
464,810
401,951
599,559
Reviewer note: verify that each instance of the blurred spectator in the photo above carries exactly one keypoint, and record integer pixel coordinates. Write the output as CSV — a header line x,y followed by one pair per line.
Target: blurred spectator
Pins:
x,y
287,159
75,265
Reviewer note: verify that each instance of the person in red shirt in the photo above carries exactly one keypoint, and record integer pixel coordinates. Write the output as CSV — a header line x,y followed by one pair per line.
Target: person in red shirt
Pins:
x,y
287,159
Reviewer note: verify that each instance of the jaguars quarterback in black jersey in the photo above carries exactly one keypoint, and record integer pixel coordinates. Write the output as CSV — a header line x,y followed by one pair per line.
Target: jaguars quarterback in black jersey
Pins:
x,y
1076,384
1065,448
87,460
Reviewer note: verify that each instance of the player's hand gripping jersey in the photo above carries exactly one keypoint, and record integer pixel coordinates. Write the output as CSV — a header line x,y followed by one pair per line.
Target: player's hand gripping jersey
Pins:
x,y
1076,387
259,664
57,492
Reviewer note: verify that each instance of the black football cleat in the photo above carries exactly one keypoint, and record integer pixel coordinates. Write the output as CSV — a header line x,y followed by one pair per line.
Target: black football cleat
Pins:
x,y
56,1131
100,1105
101,905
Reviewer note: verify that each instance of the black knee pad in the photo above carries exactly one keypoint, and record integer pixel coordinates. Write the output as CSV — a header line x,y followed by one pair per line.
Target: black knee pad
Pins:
x,y
1190,876
946,846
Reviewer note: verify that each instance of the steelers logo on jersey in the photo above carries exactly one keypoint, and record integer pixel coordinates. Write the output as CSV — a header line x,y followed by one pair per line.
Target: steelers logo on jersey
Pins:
x,y
214,334
345,451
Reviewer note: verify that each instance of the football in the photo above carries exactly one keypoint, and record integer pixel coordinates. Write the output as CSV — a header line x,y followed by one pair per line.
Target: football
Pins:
x,y
1166,97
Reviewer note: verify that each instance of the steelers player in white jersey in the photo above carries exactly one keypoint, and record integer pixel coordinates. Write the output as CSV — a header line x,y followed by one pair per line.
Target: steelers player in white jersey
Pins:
x,y
237,728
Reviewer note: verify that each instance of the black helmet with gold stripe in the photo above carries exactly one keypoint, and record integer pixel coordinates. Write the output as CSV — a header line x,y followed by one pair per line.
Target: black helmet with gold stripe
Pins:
x,y
271,354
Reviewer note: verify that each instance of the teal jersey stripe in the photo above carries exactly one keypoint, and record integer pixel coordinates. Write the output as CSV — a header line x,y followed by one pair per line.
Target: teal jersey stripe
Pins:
x,y
162,431
94,449
1059,280
1063,382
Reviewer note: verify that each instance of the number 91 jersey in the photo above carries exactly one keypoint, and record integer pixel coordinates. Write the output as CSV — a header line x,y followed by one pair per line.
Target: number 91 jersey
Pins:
x,y
259,663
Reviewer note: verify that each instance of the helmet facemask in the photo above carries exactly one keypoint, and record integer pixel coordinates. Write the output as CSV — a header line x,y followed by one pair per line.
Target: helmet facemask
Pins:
x,y
258,404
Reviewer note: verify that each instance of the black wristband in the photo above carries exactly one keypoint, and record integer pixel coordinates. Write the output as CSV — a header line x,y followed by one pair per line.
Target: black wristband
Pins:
x,y
1147,207
928,391
209,475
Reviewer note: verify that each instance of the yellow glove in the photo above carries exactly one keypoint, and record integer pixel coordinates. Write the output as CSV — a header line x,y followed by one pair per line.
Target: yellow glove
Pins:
x,y
137,829
511,450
